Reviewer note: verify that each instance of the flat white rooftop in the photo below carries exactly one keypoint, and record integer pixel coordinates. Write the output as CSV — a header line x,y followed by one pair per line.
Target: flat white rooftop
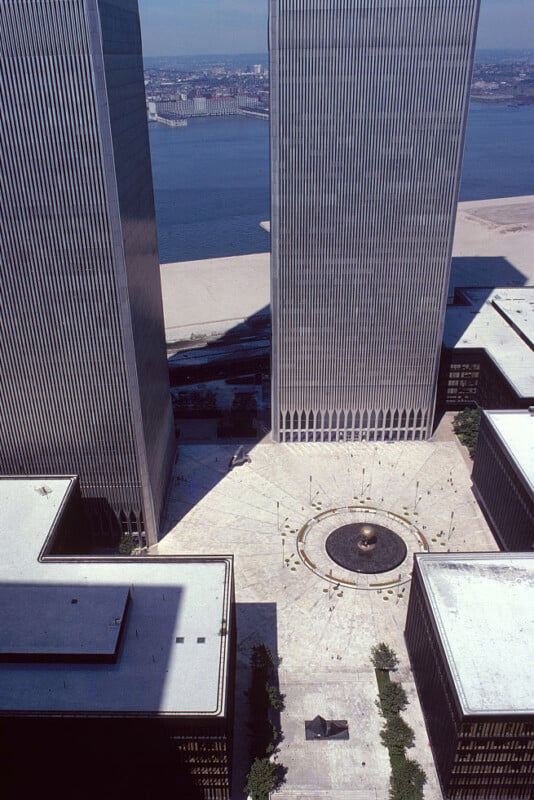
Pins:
x,y
482,605
174,655
211,296
516,431
501,322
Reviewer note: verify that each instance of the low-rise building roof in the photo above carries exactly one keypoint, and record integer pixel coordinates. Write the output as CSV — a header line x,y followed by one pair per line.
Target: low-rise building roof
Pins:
x,y
482,607
160,626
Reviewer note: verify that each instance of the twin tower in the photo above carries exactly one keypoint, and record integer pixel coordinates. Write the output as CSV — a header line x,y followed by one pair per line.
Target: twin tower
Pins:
x,y
368,108
368,113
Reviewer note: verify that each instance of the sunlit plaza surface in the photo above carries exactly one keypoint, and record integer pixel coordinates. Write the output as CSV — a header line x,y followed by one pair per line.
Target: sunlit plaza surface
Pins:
x,y
321,623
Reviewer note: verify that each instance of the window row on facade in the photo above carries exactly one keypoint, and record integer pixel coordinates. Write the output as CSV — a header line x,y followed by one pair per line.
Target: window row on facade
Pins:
x,y
490,793
508,728
470,377
496,756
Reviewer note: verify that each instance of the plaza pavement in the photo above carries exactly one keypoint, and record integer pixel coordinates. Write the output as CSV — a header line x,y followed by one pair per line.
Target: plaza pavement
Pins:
x,y
322,634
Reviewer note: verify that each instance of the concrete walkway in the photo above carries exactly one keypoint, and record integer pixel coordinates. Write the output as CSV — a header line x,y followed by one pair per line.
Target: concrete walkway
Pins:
x,y
322,634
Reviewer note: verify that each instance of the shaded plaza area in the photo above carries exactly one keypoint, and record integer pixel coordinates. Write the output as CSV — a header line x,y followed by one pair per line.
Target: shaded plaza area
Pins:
x,y
321,630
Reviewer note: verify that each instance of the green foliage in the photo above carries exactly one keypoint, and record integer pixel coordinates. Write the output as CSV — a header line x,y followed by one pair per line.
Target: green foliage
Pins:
x,y
393,698
272,737
407,777
262,659
407,781
195,404
263,697
397,735
383,657
276,700
243,413
262,779
382,679
465,426
126,544
244,401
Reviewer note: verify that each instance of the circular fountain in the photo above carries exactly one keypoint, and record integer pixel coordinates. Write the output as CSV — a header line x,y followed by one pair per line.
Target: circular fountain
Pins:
x,y
362,547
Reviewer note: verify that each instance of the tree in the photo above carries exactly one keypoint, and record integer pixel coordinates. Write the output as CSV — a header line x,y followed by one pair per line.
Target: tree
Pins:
x,y
262,779
397,735
243,412
262,659
465,426
273,736
407,781
276,700
392,698
383,657
126,544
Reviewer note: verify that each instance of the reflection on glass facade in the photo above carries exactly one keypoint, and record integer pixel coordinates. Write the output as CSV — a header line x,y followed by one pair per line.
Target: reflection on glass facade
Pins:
x,y
83,383
368,111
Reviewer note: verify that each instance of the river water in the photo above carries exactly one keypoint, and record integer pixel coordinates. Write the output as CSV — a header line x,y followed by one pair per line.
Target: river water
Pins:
x,y
211,179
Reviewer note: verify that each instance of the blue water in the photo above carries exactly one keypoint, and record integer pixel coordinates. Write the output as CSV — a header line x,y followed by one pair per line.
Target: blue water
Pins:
x,y
211,179
499,152
211,185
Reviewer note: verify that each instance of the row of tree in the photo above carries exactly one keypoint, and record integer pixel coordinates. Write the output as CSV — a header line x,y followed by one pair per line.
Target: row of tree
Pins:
x,y
264,698
407,777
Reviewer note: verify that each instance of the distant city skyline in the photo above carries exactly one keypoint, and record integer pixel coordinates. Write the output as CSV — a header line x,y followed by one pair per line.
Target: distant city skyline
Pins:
x,y
217,27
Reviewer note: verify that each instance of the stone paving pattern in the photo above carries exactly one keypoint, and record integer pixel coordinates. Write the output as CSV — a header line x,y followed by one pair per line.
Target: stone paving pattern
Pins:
x,y
322,635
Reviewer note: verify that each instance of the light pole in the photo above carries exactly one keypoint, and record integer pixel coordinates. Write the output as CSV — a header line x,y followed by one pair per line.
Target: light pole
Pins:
x,y
363,478
310,489
450,526
416,493
372,469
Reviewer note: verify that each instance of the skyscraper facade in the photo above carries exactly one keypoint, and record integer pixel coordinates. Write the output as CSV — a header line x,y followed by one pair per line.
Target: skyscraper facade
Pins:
x,y
369,101
83,382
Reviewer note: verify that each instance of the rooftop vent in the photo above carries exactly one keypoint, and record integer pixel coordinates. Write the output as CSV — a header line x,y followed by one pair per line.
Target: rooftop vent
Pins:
x,y
179,640
43,490
201,639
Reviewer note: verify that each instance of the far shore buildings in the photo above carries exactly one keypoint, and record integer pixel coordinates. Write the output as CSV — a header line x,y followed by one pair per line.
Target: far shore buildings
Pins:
x,y
470,638
503,476
83,373
116,674
368,112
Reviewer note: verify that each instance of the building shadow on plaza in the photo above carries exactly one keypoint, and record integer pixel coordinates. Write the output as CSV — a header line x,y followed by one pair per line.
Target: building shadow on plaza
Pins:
x,y
256,624
196,473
